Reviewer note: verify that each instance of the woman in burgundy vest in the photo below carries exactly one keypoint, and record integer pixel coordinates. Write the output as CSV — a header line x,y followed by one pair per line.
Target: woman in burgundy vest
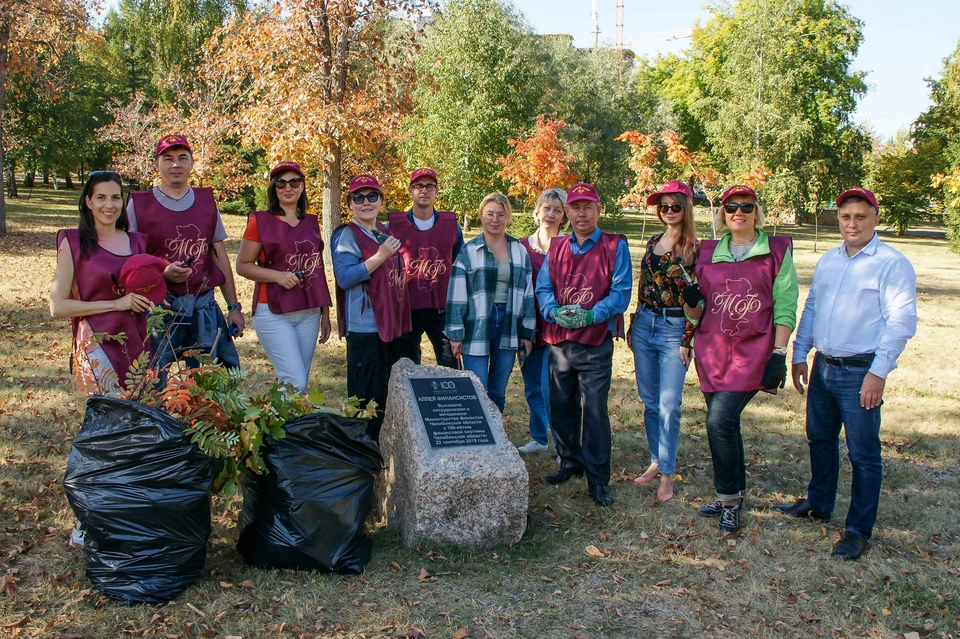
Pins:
x,y
86,287
550,214
373,309
745,306
282,252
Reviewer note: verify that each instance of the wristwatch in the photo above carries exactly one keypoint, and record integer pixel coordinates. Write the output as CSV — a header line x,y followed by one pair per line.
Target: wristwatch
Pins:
x,y
234,307
780,349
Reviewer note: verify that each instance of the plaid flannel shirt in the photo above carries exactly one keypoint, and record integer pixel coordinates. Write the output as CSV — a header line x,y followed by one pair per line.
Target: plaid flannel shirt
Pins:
x,y
473,282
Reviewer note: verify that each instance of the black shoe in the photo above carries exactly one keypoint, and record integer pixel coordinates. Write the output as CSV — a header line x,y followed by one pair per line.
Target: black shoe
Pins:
x,y
712,509
562,475
803,509
601,496
730,518
850,546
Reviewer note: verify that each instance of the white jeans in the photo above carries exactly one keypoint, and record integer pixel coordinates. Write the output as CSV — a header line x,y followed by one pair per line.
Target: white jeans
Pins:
x,y
289,340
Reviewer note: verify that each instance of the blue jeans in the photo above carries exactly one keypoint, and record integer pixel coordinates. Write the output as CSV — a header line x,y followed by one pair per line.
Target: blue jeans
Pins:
x,y
834,400
660,373
536,386
493,369
726,442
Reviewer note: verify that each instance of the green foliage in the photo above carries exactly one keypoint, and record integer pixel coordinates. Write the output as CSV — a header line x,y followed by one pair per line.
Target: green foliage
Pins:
x,y
902,183
479,86
235,207
523,225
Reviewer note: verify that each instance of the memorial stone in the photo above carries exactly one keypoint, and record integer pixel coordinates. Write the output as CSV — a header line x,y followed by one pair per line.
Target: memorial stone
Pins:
x,y
451,474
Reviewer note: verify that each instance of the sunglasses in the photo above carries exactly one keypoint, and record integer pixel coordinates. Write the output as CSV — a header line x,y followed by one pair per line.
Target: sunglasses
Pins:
x,y
676,208
746,207
292,182
371,197
113,175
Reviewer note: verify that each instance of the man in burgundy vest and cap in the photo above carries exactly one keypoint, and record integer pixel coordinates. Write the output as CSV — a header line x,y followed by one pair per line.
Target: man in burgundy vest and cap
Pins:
x,y
430,241
583,289
184,228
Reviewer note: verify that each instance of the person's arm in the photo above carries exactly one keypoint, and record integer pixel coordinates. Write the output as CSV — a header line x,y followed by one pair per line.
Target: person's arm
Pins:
x,y
62,305
131,215
349,269
544,292
786,295
803,343
528,327
458,300
250,247
229,287
621,286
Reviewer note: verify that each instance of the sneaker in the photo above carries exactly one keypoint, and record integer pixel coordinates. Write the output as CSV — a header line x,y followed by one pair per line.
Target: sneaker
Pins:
x,y
713,509
76,537
730,518
532,446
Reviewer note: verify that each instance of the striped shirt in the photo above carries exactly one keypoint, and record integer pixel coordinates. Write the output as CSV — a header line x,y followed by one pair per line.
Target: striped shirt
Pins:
x,y
473,282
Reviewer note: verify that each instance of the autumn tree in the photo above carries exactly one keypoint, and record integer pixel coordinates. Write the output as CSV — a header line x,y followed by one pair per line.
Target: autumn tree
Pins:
x,y
315,80
538,162
902,181
33,33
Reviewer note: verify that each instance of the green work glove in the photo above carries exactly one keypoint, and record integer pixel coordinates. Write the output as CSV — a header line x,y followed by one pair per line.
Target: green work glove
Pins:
x,y
574,317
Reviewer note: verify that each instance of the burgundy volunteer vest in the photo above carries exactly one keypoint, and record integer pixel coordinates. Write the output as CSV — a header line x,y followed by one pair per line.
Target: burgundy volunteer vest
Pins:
x,y
292,248
176,235
428,256
735,337
387,289
97,278
536,263
582,279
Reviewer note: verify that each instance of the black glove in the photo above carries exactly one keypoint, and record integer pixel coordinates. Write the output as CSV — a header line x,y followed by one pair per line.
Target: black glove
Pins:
x,y
691,295
775,374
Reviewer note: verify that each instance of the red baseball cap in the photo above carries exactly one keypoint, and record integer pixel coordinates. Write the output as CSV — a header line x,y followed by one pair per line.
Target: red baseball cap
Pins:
x,y
738,189
582,191
670,186
858,191
143,274
364,181
424,172
286,166
170,141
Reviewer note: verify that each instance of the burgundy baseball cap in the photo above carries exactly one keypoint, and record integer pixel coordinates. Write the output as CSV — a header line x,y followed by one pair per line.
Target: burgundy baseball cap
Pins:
x,y
364,181
143,274
286,166
858,191
582,191
738,189
424,172
170,141
670,186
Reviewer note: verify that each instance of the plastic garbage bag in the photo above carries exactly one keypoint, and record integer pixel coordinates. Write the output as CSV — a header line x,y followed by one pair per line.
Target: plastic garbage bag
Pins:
x,y
308,512
141,492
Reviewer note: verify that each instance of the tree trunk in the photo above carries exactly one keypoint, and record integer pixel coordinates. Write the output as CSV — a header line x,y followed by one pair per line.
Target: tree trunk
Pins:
x,y
4,44
46,175
30,178
12,179
331,203
67,180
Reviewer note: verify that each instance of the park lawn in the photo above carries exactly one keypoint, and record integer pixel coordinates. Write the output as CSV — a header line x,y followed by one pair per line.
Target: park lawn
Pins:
x,y
655,570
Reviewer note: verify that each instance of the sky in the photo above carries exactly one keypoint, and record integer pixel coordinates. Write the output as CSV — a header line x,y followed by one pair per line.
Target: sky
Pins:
x,y
904,42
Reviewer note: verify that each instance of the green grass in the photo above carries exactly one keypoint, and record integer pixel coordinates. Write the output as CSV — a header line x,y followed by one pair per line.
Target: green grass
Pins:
x,y
666,572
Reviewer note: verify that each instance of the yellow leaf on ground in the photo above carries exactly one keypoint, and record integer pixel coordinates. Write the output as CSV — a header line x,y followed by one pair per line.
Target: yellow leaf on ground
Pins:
x,y
593,551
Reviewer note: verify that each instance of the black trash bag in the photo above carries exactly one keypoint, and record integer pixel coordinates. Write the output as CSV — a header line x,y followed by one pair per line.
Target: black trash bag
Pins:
x,y
309,510
141,492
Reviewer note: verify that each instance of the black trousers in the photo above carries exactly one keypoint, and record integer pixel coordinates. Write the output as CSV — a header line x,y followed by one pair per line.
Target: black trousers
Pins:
x,y
430,321
368,374
579,388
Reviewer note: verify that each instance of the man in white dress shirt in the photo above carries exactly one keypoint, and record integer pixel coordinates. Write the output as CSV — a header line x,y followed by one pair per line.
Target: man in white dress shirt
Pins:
x,y
861,310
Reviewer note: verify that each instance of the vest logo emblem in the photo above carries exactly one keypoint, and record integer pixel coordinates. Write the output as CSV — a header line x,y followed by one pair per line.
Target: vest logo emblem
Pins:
x,y
426,268
188,242
306,259
575,290
734,305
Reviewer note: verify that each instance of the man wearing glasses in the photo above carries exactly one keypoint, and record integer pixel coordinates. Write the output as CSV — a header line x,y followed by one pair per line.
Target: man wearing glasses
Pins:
x,y
861,310
184,228
430,241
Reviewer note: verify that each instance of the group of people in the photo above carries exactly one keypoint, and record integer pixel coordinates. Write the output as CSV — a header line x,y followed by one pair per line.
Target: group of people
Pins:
x,y
552,301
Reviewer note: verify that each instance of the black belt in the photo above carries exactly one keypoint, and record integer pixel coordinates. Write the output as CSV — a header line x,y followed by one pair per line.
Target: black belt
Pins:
x,y
862,359
666,312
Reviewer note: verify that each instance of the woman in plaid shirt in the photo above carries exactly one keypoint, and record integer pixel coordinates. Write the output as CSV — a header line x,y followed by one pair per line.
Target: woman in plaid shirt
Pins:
x,y
490,310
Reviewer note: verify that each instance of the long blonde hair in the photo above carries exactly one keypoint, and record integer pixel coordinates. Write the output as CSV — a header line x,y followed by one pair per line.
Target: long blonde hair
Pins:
x,y
687,243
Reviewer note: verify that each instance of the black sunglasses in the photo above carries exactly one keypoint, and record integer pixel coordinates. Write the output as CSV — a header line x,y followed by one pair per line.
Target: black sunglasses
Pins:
x,y
113,175
371,197
676,208
746,207
294,182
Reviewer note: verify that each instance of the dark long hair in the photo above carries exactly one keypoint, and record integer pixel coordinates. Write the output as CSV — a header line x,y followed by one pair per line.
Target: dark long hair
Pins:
x,y
273,202
87,226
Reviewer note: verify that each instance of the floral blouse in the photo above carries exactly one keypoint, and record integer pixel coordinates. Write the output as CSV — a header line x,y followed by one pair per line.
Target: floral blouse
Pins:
x,y
659,286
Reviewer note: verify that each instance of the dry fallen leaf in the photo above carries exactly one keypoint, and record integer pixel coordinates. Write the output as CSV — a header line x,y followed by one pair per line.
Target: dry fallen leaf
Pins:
x,y
248,583
17,624
911,635
424,575
460,634
593,551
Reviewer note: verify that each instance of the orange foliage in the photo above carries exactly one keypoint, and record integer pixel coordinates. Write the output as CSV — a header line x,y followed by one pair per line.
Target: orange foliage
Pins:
x,y
538,162
643,157
757,178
